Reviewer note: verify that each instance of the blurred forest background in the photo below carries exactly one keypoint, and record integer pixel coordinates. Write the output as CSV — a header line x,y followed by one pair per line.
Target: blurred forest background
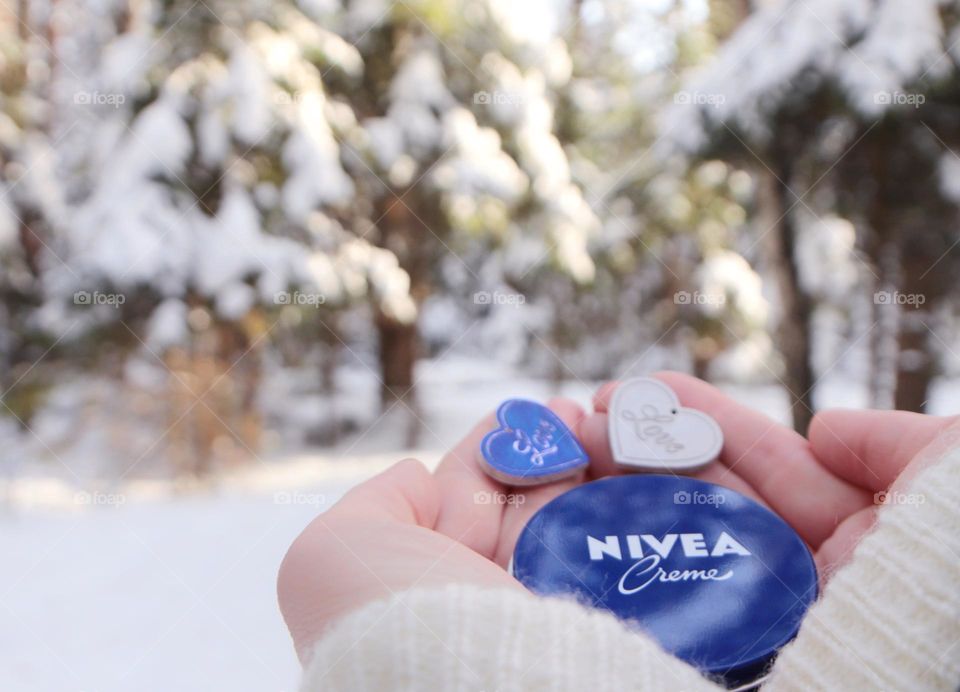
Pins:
x,y
233,227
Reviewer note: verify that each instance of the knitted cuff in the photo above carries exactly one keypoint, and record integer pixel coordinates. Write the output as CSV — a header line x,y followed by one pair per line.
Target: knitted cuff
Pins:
x,y
890,619
466,638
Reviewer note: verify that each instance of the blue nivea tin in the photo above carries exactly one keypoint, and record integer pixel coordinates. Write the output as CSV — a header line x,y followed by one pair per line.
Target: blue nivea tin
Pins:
x,y
719,580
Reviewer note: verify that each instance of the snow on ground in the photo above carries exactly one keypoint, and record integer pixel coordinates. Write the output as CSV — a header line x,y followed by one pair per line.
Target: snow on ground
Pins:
x,y
141,588
170,596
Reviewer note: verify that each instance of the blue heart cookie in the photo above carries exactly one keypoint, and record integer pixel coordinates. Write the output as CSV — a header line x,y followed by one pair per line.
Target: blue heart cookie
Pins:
x,y
531,446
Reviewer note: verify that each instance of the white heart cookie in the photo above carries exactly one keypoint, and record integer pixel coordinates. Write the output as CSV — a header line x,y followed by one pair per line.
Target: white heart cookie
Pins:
x,y
650,431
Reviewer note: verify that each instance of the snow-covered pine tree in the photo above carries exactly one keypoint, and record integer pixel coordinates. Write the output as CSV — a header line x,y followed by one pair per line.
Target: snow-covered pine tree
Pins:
x,y
857,94
659,219
458,155
206,199
262,154
31,201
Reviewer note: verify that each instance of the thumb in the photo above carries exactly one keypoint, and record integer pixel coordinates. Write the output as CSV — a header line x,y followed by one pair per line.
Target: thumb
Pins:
x,y
406,493
872,449
335,564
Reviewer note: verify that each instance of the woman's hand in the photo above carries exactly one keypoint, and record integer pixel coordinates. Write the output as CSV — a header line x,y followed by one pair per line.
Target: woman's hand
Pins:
x,y
826,487
407,527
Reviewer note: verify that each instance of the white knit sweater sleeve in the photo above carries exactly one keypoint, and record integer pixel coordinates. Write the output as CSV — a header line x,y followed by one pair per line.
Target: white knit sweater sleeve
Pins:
x,y
889,620
469,638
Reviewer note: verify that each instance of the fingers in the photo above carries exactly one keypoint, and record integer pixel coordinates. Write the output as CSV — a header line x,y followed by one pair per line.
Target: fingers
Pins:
x,y
773,460
376,542
401,499
877,450
527,501
601,400
837,550
594,434
718,474
872,448
482,513
569,411
467,513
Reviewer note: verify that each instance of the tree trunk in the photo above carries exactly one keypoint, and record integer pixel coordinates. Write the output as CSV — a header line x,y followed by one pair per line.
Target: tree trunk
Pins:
x,y
408,236
794,330
914,366
399,348
726,16
23,20
701,364
915,361
883,338
399,344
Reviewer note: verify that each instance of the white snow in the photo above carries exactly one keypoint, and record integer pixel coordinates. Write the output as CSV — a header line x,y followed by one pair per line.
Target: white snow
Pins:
x,y
8,222
827,256
229,245
365,15
949,175
177,594
533,21
873,52
390,284
159,145
247,91
417,93
385,141
420,79
125,62
476,163
167,325
565,222
312,158
726,273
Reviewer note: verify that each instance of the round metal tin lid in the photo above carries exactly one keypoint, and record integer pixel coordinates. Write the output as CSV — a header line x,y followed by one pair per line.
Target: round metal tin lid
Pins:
x,y
719,580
